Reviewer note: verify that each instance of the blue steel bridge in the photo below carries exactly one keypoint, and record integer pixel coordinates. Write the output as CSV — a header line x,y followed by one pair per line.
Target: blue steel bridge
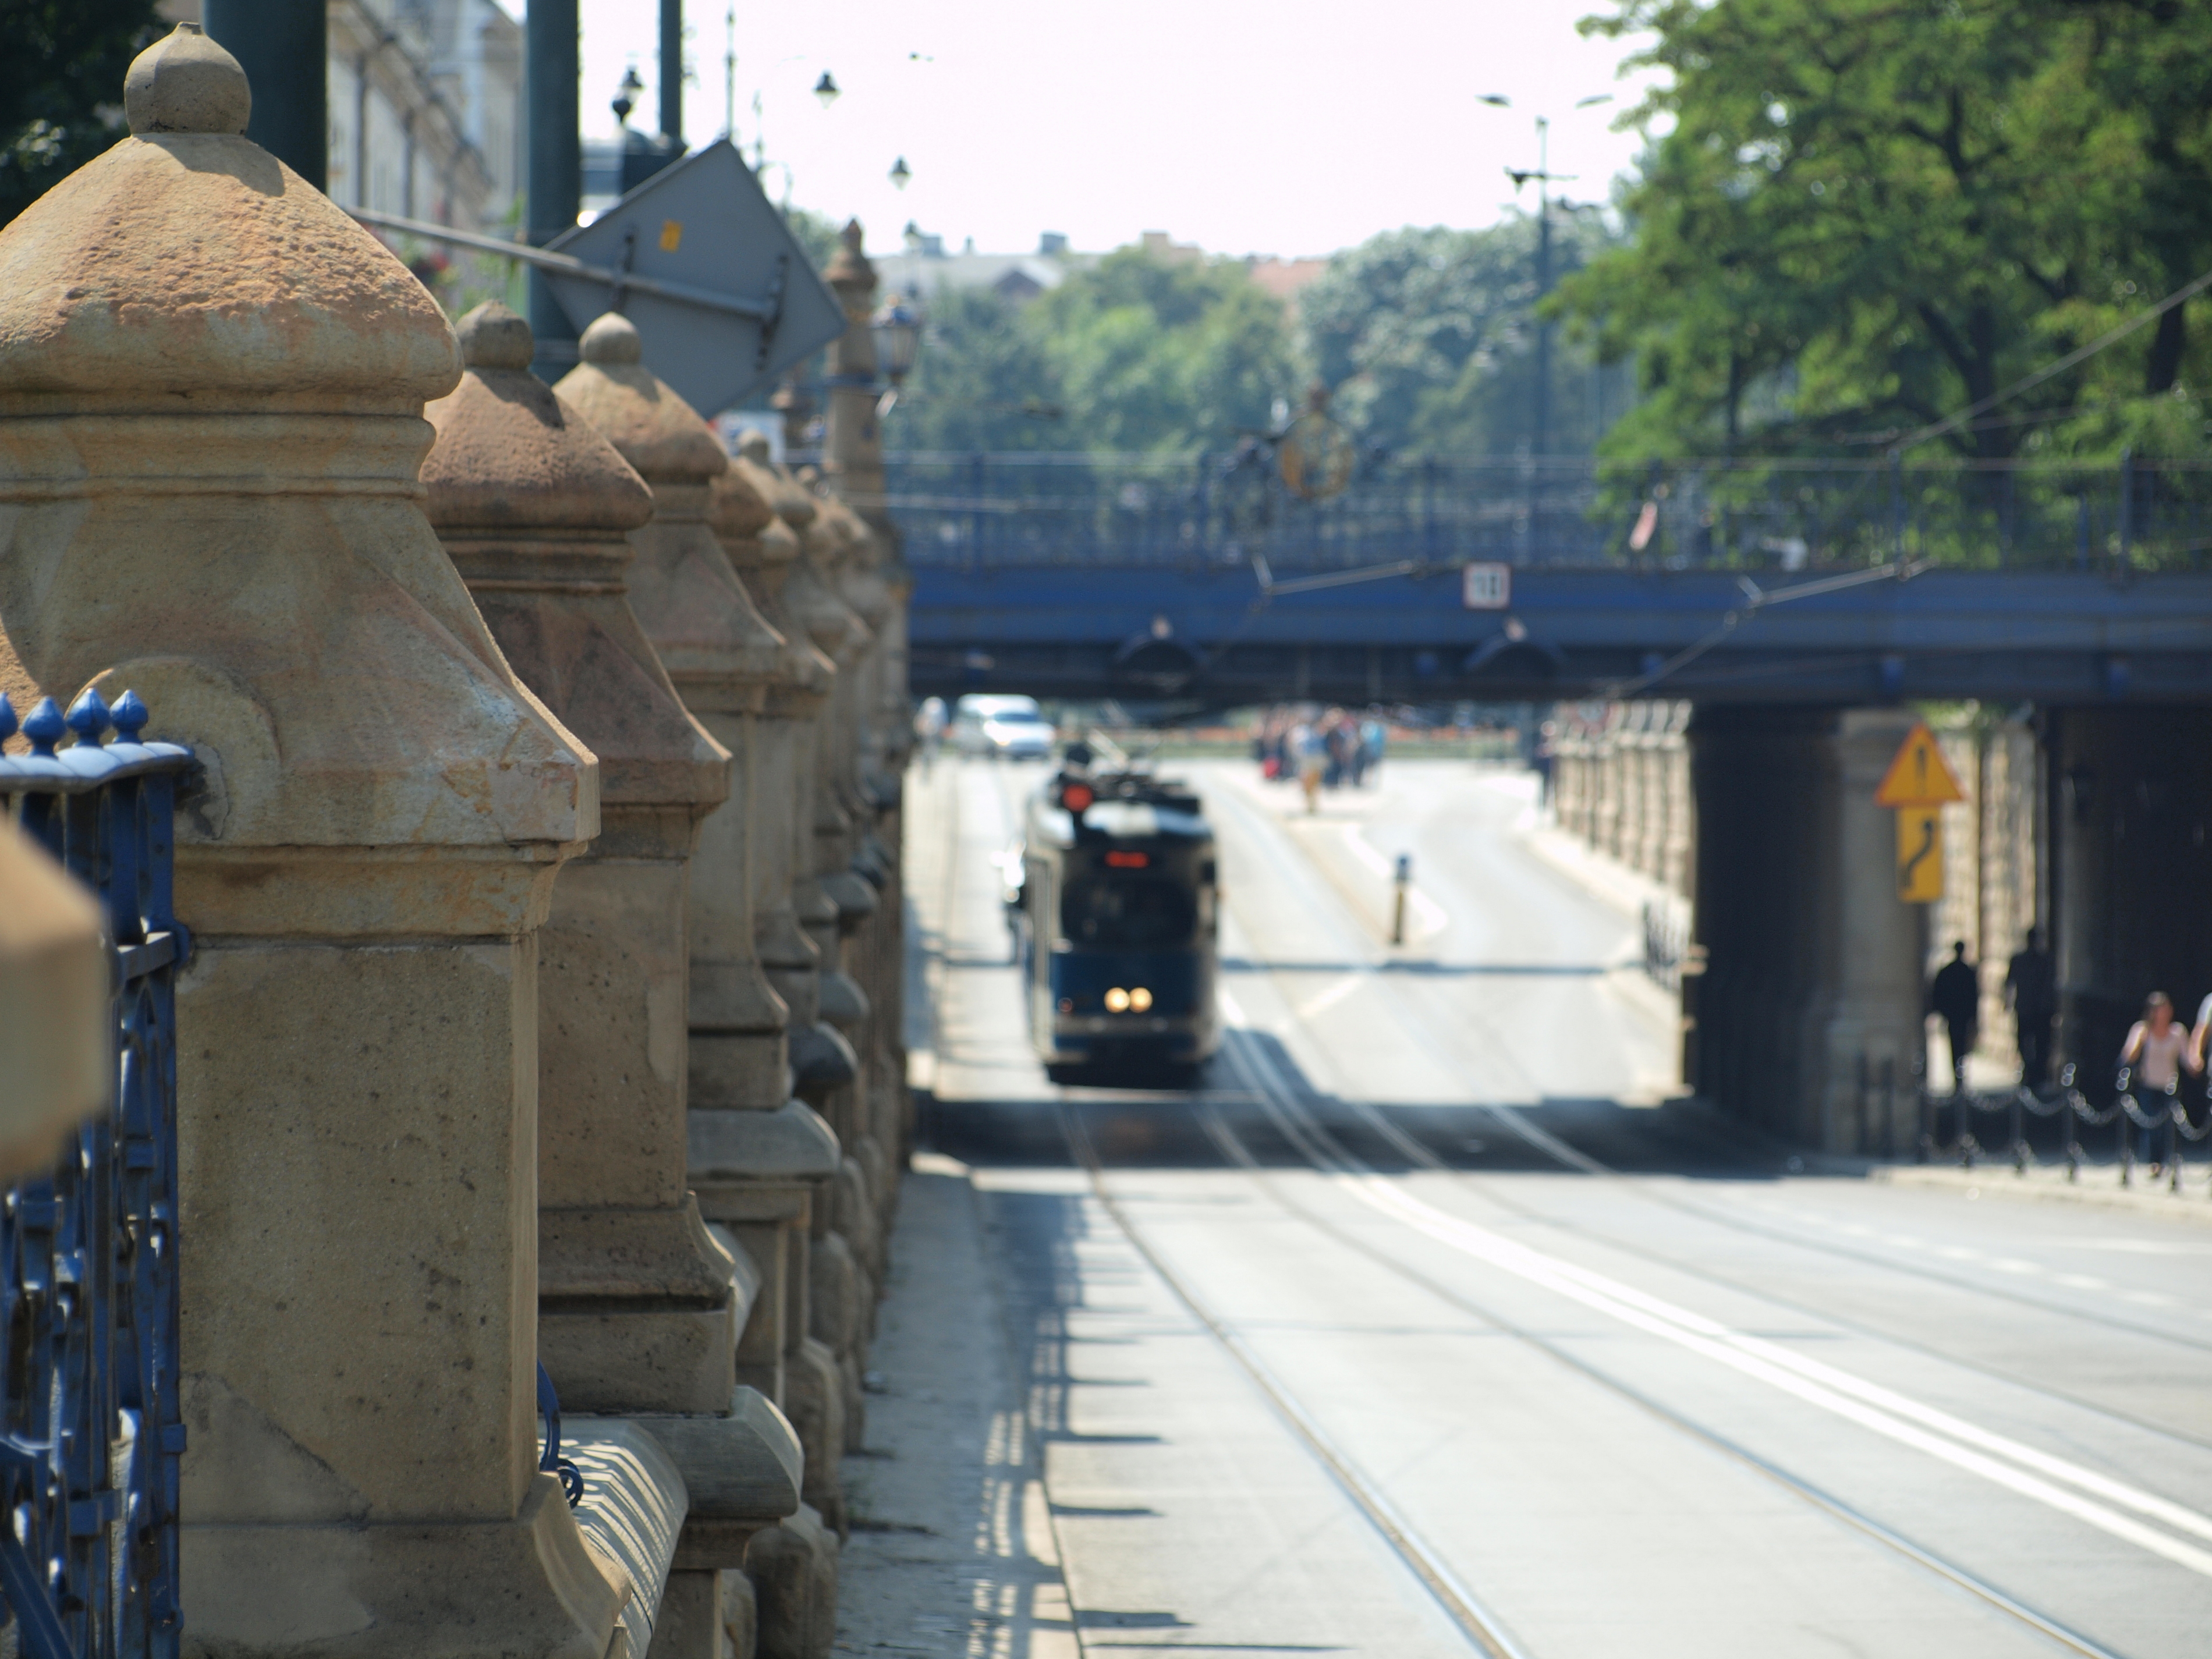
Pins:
x,y
1200,580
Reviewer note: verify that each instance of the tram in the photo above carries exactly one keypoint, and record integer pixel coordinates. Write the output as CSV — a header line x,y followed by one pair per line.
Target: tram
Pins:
x,y
1115,904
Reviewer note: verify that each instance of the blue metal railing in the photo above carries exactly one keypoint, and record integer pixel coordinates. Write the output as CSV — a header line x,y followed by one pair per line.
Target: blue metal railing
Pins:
x,y
91,1429
1199,512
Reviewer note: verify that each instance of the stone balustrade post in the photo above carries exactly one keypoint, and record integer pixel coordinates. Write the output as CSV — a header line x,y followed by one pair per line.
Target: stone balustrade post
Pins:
x,y
639,1304
211,385
758,1157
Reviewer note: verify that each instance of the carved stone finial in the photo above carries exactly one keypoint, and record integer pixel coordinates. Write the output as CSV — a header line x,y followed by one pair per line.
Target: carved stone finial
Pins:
x,y
848,267
493,336
186,82
612,338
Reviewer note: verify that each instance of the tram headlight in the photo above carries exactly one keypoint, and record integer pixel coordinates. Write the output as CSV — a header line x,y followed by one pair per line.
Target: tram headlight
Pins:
x,y
1117,1001
1141,999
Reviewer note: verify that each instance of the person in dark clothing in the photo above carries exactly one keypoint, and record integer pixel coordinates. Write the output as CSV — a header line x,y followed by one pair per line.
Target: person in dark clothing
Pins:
x,y
2032,988
1957,996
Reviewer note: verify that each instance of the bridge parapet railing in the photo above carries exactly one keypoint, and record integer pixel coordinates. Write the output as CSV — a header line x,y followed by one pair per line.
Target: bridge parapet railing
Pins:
x,y
1226,511
91,1425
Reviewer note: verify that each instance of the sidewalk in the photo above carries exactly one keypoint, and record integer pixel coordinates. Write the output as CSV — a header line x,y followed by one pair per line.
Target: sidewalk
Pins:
x,y
2099,1187
952,1550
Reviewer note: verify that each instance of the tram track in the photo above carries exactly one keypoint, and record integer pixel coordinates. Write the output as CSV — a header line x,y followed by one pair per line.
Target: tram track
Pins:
x,y
1324,1132
1324,1155
1495,1049
1488,1189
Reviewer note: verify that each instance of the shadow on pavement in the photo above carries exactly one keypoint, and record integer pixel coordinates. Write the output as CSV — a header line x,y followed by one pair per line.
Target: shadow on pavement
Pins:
x,y
1156,1128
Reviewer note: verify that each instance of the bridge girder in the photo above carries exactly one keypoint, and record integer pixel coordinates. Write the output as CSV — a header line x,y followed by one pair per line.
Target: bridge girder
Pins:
x,y
1211,638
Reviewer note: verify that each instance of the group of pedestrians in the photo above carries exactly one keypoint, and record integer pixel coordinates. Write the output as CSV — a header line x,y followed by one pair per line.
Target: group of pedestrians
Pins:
x,y
1325,753
2157,1048
2030,991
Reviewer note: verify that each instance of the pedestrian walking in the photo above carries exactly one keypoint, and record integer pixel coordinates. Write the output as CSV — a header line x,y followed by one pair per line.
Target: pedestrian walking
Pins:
x,y
2158,1047
1956,995
1311,751
2032,988
929,726
1373,734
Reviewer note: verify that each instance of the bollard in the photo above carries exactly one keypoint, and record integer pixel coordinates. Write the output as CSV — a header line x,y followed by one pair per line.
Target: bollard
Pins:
x,y
2121,1100
1401,876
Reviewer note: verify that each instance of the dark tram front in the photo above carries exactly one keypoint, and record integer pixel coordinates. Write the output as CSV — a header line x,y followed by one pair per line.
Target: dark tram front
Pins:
x,y
1118,911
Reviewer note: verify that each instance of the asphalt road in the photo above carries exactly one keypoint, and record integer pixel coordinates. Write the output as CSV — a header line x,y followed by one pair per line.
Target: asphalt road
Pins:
x,y
1422,1327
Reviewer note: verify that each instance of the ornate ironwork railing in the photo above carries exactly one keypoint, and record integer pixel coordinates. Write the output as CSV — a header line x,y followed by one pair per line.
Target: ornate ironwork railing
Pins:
x,y
1220,512
90,1425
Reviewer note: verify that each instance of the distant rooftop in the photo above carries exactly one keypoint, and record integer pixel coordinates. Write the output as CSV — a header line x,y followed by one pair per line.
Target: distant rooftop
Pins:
x,y
923,265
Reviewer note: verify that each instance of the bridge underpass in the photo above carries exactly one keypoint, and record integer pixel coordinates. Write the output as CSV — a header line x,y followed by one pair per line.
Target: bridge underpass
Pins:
x,y
1800,680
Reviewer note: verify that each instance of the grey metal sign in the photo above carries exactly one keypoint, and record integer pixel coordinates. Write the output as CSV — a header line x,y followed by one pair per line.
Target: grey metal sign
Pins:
x,y
698,257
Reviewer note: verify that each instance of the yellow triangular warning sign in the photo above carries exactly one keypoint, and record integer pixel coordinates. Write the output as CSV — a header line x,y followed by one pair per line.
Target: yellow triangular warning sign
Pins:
x,y
1919,776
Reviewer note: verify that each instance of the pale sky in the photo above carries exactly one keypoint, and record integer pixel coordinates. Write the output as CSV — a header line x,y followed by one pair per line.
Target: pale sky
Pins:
x,y
1294,127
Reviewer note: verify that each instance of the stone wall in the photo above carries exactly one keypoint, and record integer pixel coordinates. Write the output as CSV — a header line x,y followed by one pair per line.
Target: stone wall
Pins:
x,y
1620,783
1993,888
541,1024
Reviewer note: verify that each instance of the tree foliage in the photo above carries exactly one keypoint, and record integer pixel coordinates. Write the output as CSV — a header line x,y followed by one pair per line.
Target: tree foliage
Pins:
x,y
1135,354
1865,215
62,64
1428,337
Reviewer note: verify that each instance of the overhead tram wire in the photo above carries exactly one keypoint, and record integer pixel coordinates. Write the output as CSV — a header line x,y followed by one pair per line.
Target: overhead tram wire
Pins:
x,y
1902,571
2081,354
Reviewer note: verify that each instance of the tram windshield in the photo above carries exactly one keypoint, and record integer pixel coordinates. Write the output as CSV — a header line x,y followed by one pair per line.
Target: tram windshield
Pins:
x,y
1126,913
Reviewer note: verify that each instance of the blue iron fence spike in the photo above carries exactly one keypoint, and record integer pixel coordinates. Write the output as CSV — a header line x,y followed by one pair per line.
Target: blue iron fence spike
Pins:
x,y
129,715
89,717
6,718
44,727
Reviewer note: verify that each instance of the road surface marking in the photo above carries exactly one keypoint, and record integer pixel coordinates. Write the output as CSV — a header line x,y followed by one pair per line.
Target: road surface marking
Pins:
x,y
1335,994
1897,1417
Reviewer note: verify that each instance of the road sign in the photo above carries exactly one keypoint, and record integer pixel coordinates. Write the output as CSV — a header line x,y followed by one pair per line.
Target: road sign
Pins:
x,y
1920,855
731,301
1919,776
1486,587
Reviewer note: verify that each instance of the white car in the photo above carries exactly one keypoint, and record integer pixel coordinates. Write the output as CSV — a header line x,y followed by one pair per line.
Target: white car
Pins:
x,y
1002,728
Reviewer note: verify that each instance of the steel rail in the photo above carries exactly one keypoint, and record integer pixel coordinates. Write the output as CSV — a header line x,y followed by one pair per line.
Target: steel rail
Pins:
x,y
1480,1625
1574,1159
1290,1115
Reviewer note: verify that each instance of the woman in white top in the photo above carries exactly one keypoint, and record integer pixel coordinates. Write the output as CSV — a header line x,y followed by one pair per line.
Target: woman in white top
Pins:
x,y
2157,1048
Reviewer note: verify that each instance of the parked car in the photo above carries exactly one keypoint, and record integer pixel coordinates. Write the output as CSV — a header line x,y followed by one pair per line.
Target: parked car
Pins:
x,y
1002,728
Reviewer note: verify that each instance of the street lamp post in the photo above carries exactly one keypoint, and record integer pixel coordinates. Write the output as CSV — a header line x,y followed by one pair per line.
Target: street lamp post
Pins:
x,y
1541,413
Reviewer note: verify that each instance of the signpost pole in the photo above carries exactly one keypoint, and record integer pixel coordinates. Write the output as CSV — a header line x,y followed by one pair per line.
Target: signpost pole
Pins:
x,y
557,167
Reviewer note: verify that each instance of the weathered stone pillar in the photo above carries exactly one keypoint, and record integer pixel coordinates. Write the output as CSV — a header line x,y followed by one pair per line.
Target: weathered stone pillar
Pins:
x,y
757,1156
761,548
211,385
638,1304
1812,964
721,653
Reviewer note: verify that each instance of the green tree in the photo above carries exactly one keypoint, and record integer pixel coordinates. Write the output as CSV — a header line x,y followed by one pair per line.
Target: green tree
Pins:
x,y
1427,337
1164,356
1134,353
62,64
983,382
1868,214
